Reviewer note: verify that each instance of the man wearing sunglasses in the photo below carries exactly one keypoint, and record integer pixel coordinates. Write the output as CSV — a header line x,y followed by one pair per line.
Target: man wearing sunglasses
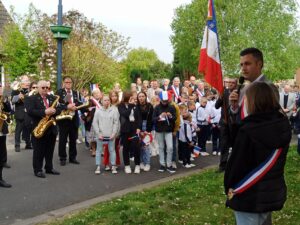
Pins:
x,y
38,107
69,99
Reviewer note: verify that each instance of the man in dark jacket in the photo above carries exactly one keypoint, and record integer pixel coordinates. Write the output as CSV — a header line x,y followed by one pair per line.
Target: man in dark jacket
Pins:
x,y
164,117
18,102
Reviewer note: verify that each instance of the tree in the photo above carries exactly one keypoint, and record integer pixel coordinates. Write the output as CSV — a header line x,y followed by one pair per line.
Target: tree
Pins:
x,y
269,25
19,56
145,63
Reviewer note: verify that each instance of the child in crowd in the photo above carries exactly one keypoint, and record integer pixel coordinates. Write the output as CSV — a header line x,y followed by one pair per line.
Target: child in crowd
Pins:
x,y
203,123
185,142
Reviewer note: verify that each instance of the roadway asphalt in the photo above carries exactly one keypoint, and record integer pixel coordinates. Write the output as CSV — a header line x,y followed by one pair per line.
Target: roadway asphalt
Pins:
x,y
31,196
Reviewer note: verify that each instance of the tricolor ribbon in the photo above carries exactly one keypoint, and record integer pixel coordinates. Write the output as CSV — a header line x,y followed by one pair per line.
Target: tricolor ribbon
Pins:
x,y
244,112
199,93
96,103
255,175
175,93
133,137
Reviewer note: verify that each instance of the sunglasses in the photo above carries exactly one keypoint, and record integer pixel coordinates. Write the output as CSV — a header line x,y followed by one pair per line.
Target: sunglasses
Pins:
x,y
45,88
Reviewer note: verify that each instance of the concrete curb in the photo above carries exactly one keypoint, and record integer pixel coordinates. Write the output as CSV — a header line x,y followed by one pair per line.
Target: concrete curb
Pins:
x,y
59,213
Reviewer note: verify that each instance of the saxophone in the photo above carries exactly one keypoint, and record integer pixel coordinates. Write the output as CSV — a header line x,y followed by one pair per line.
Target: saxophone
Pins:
x,y
46,122
69,114
3,115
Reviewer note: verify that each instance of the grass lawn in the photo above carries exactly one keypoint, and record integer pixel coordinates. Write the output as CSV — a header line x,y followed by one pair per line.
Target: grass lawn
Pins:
x,y
197,199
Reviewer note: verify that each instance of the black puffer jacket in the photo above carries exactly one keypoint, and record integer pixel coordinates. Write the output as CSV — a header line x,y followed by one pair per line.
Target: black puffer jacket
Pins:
x,y
257,137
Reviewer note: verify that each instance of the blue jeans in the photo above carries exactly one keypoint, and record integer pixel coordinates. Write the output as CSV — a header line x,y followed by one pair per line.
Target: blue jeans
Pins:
x,y
145,155
245,218
162,138
111,149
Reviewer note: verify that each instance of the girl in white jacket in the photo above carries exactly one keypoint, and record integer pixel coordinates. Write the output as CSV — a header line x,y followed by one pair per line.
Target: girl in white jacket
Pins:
x,y
106,125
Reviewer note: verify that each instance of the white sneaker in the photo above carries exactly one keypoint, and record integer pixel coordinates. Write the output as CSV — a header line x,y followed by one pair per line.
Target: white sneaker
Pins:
x,y
204,153
132,159
83,139
78,141
107,168
97,171
209,142
214,153
142,166
147,168
127,169
192,159
219,153
137,169
192,165
187,166
114,170
174,165
67,145
180,161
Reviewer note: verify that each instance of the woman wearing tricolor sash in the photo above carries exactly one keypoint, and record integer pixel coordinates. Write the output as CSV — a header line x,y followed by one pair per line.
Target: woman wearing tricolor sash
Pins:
x,y
254,176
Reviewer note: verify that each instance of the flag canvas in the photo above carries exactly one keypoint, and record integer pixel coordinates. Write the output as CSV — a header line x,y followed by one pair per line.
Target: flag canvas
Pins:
x,y
209,62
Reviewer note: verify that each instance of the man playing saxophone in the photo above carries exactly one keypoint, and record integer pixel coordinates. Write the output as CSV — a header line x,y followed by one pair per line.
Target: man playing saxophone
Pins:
x,y
5,109
18,95
68,127
39,107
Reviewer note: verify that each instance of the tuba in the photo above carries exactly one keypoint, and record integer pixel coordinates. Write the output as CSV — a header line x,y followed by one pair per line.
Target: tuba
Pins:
x,y
46,122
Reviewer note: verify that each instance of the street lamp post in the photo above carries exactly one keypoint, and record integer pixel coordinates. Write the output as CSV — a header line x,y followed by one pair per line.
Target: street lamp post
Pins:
x,y
60,32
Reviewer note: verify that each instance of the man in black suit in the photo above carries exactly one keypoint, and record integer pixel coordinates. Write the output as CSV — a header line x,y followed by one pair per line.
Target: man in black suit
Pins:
x,y
18,101
5,108
69,99
39,106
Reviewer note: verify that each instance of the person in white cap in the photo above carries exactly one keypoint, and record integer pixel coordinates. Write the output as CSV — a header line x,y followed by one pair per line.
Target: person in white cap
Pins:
x,y
164,117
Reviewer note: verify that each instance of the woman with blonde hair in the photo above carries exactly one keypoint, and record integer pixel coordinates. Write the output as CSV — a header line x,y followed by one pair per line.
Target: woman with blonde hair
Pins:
x,y
106,126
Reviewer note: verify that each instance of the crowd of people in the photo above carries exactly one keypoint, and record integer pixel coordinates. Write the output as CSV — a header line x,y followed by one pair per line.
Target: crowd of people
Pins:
x,y
173,120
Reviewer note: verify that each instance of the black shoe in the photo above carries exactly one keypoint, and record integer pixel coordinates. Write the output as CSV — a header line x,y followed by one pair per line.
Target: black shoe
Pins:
x,y
74,161
4,184
171,169
28,147
162,169
5,165
53,172
63,163
40,174
17,149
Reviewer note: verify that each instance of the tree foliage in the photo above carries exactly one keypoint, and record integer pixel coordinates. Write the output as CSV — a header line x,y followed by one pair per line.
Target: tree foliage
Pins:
x,y
145,63
90,55
269,25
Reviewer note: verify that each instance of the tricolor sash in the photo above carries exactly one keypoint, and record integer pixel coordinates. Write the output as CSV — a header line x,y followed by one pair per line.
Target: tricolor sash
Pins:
x,y
96,103
255,175
176,94
244,112
199,93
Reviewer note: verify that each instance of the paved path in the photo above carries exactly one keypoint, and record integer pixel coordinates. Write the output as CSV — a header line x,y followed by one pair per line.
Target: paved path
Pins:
x,y
31,196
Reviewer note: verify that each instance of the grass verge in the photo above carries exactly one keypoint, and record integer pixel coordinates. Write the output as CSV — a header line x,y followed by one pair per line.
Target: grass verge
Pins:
x,y
197,199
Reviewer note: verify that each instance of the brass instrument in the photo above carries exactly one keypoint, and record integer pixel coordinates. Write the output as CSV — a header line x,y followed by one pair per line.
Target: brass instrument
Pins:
x,y
46,122
69,114
3,115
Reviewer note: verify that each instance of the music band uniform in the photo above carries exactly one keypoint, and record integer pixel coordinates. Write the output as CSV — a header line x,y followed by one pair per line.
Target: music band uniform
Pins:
x,y
43,147
20,119
3,150
68,128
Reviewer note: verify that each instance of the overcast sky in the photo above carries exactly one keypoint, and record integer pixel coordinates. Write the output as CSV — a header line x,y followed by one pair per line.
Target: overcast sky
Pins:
x,y
146,22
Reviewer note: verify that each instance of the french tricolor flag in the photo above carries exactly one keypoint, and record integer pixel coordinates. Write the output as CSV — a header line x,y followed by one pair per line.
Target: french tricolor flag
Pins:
x,y
196,151
93,86
210,63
